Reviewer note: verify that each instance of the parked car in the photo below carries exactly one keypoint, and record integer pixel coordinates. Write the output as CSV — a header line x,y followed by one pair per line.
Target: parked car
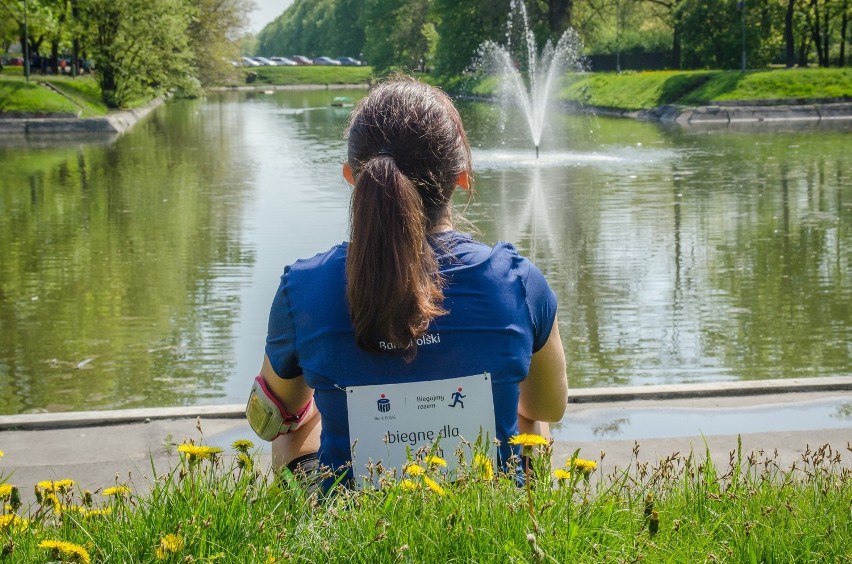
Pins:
x,y
349,62
249,62
283,61
265,62
326,61
300,60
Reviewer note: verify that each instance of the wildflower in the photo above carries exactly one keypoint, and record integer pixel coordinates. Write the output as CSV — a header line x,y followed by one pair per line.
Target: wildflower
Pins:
x,y
433,485
169,544
103,512
245,461
2,454
485,466
562,475
528,440
195,452
584,466
116,491
408,485
10,522
6,491
60,486
413,469
436,461
68,550
242,445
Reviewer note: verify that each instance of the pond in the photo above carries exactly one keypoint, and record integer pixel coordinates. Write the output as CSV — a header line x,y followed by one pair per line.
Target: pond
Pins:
x,y
139,271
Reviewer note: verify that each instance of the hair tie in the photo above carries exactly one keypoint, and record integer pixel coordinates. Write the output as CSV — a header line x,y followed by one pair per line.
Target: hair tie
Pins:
x,y
385,151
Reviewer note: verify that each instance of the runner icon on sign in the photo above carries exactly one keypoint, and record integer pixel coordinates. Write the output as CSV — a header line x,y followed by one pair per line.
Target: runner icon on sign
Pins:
x,y
457,398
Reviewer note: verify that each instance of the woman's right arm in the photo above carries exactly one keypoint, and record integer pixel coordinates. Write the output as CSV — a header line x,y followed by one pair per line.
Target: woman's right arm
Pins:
x,y
544,392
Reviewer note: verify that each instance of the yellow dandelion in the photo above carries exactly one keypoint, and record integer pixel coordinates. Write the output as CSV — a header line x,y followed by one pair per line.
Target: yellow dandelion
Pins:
x,y
433,485
6,491
408,485
73,509
583,465
102,512
196,452
527,440
11,522
413,469
116,491
68,550
484,465
60,486
242,445
436,461
245,461
562,475
2,454
169,544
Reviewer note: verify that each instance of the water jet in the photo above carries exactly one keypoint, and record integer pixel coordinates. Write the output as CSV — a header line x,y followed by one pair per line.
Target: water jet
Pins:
x,y
528,77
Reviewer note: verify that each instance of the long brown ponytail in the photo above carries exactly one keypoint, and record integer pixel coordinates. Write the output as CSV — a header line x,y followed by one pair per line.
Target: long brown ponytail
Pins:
x,y
407,148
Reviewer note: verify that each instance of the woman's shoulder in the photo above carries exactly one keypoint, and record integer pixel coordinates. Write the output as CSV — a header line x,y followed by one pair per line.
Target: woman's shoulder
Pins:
x,y
332,258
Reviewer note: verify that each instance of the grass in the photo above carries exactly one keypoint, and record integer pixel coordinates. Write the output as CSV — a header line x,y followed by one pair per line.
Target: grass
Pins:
x,y
302,75
216,508
81,94
646,90
16,95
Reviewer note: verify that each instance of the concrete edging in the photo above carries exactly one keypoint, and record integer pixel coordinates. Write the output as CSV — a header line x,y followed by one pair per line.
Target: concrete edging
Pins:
x,y
41,421
112,123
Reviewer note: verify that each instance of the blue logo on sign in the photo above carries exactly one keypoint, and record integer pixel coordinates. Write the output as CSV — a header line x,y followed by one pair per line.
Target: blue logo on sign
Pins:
x,y
383,404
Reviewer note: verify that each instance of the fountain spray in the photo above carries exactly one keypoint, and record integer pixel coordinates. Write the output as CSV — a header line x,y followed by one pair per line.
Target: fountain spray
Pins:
x,y
529,77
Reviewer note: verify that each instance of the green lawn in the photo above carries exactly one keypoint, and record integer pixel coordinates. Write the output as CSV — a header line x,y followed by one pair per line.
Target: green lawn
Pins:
x,y
16,95
215,506
300,75
81,95
645,90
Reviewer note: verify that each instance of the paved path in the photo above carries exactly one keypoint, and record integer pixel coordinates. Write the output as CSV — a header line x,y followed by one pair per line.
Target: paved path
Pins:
x,y
96,449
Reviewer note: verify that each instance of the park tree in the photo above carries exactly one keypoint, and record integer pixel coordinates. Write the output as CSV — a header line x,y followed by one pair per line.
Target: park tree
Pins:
x,y
140,47
396,33
716,34
462,27
214,36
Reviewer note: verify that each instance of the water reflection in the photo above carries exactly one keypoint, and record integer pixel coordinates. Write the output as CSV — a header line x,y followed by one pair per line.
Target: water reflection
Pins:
x,y
140,272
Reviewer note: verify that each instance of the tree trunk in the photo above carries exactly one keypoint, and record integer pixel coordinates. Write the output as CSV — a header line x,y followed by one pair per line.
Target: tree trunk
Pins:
x,y
789,39
826,35
844,28
559,15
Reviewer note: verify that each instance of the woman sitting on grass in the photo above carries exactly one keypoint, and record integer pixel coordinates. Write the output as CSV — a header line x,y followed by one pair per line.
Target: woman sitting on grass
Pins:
x,y
411,332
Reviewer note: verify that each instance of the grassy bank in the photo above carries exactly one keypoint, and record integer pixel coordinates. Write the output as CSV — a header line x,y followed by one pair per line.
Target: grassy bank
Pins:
x,y
78,95
628,91
219,507
302,75
646,90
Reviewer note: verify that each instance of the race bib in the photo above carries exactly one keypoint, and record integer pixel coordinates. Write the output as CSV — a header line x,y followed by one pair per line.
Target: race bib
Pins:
x,y
387,421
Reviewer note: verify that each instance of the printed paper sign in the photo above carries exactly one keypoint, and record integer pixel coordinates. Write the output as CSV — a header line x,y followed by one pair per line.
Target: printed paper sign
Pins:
x,y
388,420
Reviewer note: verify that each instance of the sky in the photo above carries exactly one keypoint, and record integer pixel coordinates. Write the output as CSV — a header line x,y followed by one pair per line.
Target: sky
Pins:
x,y
266,11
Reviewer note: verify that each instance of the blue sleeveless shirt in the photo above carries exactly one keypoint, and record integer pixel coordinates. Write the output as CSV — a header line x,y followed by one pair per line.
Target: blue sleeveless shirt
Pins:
x,y
501,310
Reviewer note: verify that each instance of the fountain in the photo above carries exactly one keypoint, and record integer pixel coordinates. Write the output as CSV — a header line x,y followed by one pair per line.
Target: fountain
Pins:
x,y
527,76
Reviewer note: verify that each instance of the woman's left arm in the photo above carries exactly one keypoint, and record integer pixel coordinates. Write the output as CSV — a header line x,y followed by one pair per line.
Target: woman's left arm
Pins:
x,y
294,394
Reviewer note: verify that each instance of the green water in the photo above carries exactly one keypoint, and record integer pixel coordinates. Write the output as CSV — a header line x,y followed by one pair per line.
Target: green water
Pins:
x,y
139,271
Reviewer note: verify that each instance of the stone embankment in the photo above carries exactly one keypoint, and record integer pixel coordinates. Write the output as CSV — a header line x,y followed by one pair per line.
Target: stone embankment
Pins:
x,y
35,124
738,112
